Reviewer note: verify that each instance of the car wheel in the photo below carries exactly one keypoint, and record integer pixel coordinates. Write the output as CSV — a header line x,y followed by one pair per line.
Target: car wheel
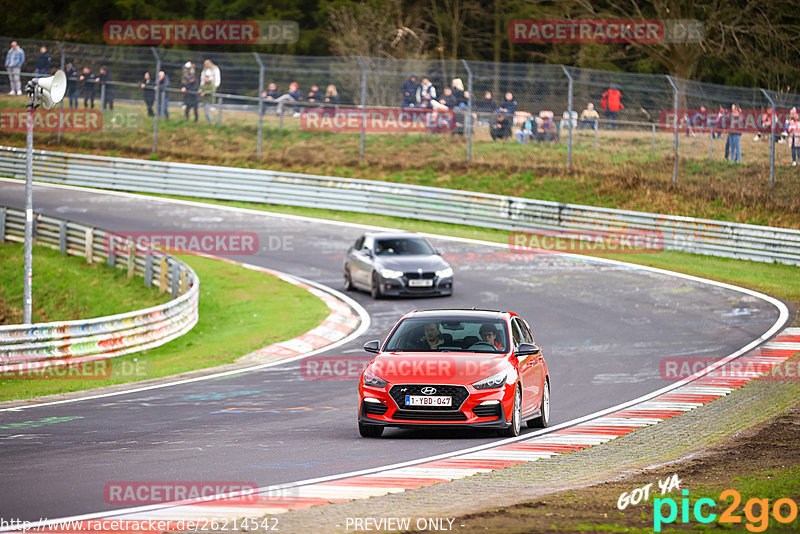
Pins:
x,y
513,430
369,431
543,420
348,283
375,288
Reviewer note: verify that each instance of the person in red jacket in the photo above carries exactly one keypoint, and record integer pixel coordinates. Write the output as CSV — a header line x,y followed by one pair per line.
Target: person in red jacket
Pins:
x,y
611,102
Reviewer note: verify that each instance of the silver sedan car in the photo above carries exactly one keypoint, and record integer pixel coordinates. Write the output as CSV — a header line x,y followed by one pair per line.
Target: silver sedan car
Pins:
x,y
397,264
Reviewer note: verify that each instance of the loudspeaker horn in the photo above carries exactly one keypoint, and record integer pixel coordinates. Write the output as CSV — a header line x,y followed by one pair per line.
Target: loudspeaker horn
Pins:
x,y
52,89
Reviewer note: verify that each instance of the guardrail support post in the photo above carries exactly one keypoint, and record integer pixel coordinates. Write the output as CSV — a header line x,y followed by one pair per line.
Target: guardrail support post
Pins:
x,y
771,147
131,258
162,279
260,103
183,283
675,127
148,268
363,108
175,279
468,117
62,237
112,255
88,245
569,119
2,225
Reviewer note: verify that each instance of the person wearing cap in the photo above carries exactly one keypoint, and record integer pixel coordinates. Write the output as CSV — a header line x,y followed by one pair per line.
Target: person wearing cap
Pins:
x,y
409,91
189,87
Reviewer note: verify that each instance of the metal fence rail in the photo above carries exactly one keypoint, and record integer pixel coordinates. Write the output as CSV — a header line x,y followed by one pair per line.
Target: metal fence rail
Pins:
x,y
701,236
26,347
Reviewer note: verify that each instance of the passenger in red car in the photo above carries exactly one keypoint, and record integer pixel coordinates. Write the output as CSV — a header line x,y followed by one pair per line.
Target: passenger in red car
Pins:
x,y
488,335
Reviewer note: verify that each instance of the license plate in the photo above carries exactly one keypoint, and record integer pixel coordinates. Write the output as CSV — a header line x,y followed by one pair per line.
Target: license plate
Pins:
x,y
420,283
424,400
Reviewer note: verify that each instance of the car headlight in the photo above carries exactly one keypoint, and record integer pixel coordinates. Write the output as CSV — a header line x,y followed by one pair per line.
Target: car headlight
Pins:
x,y
494,381
445,273
371,379
389,273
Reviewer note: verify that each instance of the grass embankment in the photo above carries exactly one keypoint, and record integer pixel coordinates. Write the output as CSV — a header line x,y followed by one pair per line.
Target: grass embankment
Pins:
x,y
622,172
241,310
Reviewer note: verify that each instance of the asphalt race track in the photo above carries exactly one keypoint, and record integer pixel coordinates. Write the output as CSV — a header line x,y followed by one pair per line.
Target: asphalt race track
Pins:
x,y
604,329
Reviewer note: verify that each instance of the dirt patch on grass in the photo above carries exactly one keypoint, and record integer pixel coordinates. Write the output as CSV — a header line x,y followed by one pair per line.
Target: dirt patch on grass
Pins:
x,y
759,452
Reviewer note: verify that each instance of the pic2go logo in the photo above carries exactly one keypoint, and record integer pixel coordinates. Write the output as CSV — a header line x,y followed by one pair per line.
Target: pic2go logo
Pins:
x,y
783,510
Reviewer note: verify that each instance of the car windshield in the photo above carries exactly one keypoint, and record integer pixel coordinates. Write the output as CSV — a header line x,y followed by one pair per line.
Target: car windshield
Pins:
x,y
473,335
403,246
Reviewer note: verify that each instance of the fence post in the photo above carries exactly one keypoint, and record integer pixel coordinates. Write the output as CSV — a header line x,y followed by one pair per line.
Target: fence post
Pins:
x,y
675,127
363,108
468,118
569,120
157,97
596,131
221,102
653,140
102,99
260,103
710,143
61,104
771,146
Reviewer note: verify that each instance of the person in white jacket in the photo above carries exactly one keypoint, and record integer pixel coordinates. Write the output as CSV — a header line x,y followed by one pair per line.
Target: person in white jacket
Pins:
x,y
212,71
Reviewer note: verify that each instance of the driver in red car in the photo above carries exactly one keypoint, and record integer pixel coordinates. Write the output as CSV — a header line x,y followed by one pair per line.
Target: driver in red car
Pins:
x,y
489,335
433,338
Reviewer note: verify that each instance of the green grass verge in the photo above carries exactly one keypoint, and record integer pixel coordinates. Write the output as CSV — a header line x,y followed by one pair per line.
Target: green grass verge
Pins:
x,y
241,310
779,280
66,288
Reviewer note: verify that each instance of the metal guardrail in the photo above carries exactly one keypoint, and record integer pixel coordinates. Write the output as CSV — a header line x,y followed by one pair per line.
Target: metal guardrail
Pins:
x,y
25,347
700,236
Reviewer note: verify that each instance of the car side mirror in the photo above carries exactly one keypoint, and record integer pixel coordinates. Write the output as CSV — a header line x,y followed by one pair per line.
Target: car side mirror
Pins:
x,y
369,252
373,346
438,251
527,349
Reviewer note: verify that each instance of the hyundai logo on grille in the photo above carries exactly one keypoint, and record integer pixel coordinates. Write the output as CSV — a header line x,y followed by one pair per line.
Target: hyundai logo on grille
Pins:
x,y
428,390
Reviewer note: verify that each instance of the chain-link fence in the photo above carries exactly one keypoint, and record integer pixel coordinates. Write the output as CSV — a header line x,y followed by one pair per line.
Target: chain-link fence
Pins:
x,y
309,108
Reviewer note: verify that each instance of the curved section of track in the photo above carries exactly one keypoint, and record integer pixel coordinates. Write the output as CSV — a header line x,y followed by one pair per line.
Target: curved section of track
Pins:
x,y
604,328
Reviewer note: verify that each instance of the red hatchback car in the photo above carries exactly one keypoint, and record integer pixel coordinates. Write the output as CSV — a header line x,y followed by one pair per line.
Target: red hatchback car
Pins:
x,y
473,368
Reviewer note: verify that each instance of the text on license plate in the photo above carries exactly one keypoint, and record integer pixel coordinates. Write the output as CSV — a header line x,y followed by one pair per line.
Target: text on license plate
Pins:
x,y
424,400
420,283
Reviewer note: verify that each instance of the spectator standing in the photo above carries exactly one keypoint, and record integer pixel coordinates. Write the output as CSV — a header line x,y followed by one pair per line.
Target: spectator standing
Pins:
x,y
148,86
793,131
331,95
719,124
589,117
735,137
207,95
611,102
189,87
42,63
409,91
15,58
211,70
163,94
108,95
87,86
699,119
72,85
